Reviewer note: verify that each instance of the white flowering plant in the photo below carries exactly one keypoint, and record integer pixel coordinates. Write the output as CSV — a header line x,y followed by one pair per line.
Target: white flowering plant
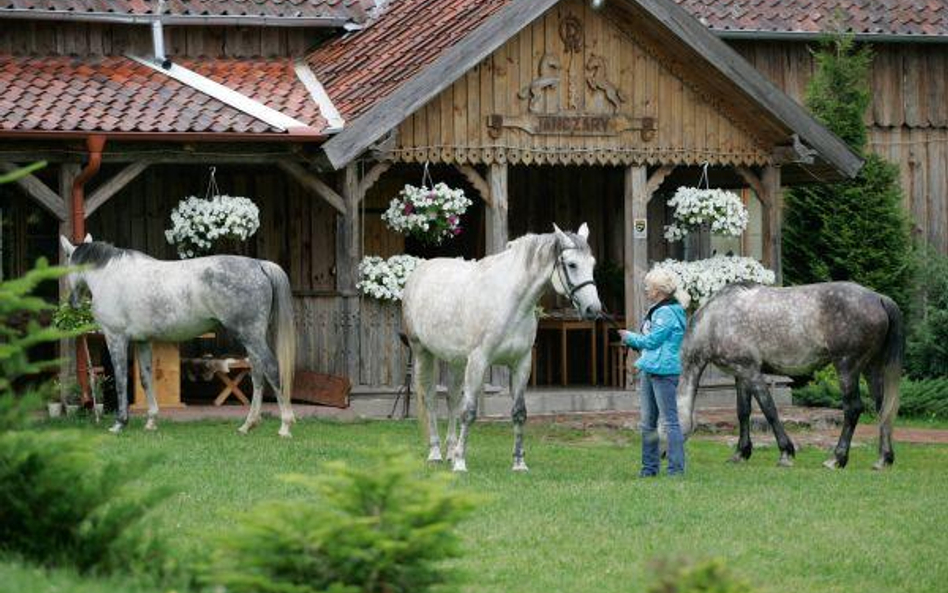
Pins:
x,y
705,277
198,224
721,211
384,279
429,214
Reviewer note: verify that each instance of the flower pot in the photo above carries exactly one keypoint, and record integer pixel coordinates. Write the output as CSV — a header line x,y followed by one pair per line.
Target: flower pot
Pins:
x,y
55,409
72,409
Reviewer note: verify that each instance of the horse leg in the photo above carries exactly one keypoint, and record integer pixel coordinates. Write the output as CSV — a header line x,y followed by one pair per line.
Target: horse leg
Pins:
x,y
758,387
876,380
118,352
852,409
263,361
473,383
427,390
259,382
520,375
143,350
744,445
454,399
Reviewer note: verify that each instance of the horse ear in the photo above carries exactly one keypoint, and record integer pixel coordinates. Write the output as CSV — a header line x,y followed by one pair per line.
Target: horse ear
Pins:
x,y
88,238
583,231
563,238
66,245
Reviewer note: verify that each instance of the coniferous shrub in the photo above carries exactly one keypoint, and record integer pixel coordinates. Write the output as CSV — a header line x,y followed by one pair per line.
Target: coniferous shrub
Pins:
x,y
386,528
855,229
709,576
926,354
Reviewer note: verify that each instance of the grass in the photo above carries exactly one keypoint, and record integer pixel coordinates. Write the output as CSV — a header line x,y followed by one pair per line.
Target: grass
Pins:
x,y
580,520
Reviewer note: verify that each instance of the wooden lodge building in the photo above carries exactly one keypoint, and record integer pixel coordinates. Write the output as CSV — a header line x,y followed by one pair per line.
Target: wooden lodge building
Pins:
x,y
321,110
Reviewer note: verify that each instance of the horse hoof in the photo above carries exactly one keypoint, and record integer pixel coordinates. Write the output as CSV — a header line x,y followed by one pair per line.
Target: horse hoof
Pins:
x,y
737,458
285,433
151,425
459,466
117,428
520,466
880,465
785,461
831,463
243,429
434,456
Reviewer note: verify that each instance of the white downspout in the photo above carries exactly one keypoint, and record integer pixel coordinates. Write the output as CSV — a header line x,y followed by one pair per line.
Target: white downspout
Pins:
x,y
158,37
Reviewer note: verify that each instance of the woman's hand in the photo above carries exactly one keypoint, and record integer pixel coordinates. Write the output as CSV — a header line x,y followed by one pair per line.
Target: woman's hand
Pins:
x,y
624,334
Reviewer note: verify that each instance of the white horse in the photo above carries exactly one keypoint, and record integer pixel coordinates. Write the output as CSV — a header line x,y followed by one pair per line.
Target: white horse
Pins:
x,y
136,298
472,314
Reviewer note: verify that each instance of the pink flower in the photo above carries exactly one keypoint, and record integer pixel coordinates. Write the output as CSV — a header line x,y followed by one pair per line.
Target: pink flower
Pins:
x,y
409,208
452,220
456,230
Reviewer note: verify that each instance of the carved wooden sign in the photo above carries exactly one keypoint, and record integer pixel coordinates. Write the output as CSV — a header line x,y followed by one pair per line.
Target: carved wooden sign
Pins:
x,y
572,124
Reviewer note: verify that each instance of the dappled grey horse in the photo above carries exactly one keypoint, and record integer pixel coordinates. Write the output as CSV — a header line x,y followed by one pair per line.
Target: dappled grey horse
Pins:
x,y
472,314
748,330
136,298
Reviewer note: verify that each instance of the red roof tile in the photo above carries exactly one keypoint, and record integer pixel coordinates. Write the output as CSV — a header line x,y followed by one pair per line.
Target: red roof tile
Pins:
x,y
348,9
117,94
362,68
865,17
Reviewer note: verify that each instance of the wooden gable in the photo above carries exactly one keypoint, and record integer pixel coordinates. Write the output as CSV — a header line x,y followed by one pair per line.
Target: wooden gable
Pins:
x,y
576,86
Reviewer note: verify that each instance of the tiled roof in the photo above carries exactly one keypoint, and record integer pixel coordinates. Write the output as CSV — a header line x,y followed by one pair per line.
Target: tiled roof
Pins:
x,y
347,9
864,17
117,94
362,68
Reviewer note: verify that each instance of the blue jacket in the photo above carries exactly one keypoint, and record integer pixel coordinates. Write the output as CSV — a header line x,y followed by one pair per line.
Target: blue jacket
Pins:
x,y
660,340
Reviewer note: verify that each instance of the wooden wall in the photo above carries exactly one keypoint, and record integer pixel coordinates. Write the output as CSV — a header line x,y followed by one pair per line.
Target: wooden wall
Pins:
x,y
454,125
908,117
95,39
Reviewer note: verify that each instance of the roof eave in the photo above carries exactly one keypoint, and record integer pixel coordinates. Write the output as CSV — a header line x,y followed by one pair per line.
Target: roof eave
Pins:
x,y
763,35
295,135
175,19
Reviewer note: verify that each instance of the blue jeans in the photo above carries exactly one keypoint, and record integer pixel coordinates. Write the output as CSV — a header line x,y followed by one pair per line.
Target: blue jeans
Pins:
x,y
659,400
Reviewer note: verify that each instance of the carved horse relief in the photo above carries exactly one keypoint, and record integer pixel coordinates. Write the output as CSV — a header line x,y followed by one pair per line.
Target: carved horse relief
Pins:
x,y
548,79
596,79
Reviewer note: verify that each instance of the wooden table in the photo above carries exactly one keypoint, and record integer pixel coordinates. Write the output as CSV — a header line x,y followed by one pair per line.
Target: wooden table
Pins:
x,y
565,325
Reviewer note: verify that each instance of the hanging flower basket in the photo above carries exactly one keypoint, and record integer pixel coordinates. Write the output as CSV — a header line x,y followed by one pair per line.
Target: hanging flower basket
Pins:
x,y
199,225
705,277
722,212
384,279
428,214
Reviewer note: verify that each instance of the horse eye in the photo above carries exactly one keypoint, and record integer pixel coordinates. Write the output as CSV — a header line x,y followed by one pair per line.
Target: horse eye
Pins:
x,y
572,266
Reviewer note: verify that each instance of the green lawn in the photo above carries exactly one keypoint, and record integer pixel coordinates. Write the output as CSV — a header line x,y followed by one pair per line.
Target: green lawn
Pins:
x,y
580,520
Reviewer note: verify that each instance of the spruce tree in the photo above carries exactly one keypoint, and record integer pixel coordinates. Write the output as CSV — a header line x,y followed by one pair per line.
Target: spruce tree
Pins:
x,y
854,229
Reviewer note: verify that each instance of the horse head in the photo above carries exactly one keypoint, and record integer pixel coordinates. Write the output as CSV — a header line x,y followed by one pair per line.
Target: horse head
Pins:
x,y
74,278
573,271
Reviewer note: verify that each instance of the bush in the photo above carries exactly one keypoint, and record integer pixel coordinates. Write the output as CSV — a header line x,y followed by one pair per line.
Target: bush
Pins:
x,y
710,576
381,529
926,354
919,399
61,504
856,229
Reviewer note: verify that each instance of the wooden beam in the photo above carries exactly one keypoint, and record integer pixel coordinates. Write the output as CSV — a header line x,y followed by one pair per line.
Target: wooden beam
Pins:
x,y
67,347
479,183
104,192
38,191
657,178
754,182
770,179
434,78
314,184
371,178
348,253
497,224
635,252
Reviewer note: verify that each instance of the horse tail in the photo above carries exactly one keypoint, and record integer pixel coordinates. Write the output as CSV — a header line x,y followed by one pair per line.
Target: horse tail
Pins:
x,y
892,354
282,329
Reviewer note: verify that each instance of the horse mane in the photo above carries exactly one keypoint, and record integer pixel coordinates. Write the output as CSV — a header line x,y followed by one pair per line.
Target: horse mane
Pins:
x,y
99,253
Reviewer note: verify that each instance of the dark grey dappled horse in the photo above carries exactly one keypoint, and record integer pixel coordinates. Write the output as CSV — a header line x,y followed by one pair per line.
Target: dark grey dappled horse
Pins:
x,y
748,330
136,298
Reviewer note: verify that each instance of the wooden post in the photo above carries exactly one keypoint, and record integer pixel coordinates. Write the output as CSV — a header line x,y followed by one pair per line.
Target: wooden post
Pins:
x,y
770,180
639,188
67,348
497,229
348,247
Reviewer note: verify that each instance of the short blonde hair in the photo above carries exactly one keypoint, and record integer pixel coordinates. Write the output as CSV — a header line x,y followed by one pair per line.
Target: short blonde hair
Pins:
x,y
667,283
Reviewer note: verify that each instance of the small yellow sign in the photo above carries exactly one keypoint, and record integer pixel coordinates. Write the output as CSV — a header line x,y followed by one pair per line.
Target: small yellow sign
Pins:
x,y
640,228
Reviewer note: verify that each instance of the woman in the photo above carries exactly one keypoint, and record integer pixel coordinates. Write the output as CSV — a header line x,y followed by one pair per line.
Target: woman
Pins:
x,y
660,342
